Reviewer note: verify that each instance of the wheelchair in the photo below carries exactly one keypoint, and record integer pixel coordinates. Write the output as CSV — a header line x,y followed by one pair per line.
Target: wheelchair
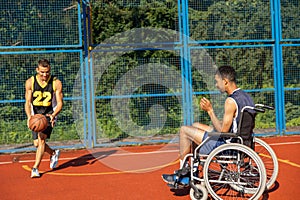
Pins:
x,y
243,168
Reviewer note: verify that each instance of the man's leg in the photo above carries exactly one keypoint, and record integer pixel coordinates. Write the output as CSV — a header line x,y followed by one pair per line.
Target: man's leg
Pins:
x,y
203,127
189,134
54,154
48,149
41,141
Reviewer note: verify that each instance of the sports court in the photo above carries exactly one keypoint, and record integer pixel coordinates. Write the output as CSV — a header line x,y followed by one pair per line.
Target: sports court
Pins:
x,y
135,71
83,174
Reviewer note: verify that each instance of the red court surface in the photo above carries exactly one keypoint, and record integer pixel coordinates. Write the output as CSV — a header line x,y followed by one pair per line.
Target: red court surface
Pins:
x,y
125,173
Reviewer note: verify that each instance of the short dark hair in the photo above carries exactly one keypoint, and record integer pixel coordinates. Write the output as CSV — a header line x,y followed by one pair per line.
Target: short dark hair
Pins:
x,y
44,63
228,72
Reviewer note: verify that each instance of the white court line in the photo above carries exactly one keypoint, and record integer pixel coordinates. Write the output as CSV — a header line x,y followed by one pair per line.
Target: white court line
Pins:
x,y
131,153
118,154
26,161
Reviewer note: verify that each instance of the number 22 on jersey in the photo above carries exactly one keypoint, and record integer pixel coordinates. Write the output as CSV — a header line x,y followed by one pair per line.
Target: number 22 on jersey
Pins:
x,y
42,98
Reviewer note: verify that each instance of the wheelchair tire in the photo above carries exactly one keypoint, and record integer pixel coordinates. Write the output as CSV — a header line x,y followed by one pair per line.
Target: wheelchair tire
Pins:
x,y
202,196
234,171
269,159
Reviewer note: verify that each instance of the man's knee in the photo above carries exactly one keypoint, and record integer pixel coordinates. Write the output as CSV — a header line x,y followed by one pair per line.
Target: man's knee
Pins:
x,y
42,137
40,141
36,143
183,130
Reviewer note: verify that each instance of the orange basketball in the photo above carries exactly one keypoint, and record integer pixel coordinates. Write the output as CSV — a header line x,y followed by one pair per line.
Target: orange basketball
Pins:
x,y
38,123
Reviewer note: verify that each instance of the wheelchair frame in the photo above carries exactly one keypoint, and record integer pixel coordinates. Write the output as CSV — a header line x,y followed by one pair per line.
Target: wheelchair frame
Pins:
x,y
224,173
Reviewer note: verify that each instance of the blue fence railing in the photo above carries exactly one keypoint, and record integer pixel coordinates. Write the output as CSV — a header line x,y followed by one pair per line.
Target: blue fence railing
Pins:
x,y
132,74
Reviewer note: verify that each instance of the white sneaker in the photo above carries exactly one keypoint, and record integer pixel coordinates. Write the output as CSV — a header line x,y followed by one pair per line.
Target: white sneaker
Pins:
x,y
54,159
35,173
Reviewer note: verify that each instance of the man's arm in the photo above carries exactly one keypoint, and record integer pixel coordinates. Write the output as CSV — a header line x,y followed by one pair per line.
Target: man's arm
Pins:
x,y
229,113
206,106
59,99
28,93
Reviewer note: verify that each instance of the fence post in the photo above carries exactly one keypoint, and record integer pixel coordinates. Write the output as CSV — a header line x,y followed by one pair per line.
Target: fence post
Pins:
x,y
88,78
187,76
278,71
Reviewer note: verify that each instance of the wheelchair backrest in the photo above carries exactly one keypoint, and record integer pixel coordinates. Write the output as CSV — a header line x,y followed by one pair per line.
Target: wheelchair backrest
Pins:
x,y
246,126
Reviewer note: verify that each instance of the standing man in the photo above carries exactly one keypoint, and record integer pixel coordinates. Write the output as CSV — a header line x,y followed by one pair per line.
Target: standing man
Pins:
x,y
43,96
225,79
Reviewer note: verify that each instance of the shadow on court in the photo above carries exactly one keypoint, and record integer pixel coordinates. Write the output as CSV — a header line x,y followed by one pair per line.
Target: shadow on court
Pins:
x,y
181,192
87,159
275,187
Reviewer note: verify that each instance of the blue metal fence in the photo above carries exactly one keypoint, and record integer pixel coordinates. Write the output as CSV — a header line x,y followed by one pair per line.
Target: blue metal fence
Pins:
x,y
115,94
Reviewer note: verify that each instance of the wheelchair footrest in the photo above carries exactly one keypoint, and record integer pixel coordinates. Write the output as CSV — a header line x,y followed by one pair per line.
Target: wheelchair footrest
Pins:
x,y
183,172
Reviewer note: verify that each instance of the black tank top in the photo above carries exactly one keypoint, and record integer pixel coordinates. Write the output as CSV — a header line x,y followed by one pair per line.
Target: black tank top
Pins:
x,y
43,96
241,99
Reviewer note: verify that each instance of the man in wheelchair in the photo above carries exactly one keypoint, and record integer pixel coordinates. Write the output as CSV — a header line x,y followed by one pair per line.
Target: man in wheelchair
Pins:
x,y
225,78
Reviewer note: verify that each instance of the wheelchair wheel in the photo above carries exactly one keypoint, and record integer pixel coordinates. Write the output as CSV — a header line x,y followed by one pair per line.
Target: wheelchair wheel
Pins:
x,y
269,159
201,195
234,171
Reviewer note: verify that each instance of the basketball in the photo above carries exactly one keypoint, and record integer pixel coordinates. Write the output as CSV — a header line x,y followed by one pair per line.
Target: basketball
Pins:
x,y
38,123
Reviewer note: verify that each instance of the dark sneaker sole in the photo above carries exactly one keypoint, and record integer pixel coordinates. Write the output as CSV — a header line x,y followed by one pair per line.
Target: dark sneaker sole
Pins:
x,y
169,182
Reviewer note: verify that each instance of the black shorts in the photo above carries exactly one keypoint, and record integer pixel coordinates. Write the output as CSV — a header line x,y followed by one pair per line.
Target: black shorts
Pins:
x,y
211,144
47,131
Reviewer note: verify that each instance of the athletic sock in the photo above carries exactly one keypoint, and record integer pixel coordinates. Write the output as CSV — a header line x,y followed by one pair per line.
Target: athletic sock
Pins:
x,y
180,163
